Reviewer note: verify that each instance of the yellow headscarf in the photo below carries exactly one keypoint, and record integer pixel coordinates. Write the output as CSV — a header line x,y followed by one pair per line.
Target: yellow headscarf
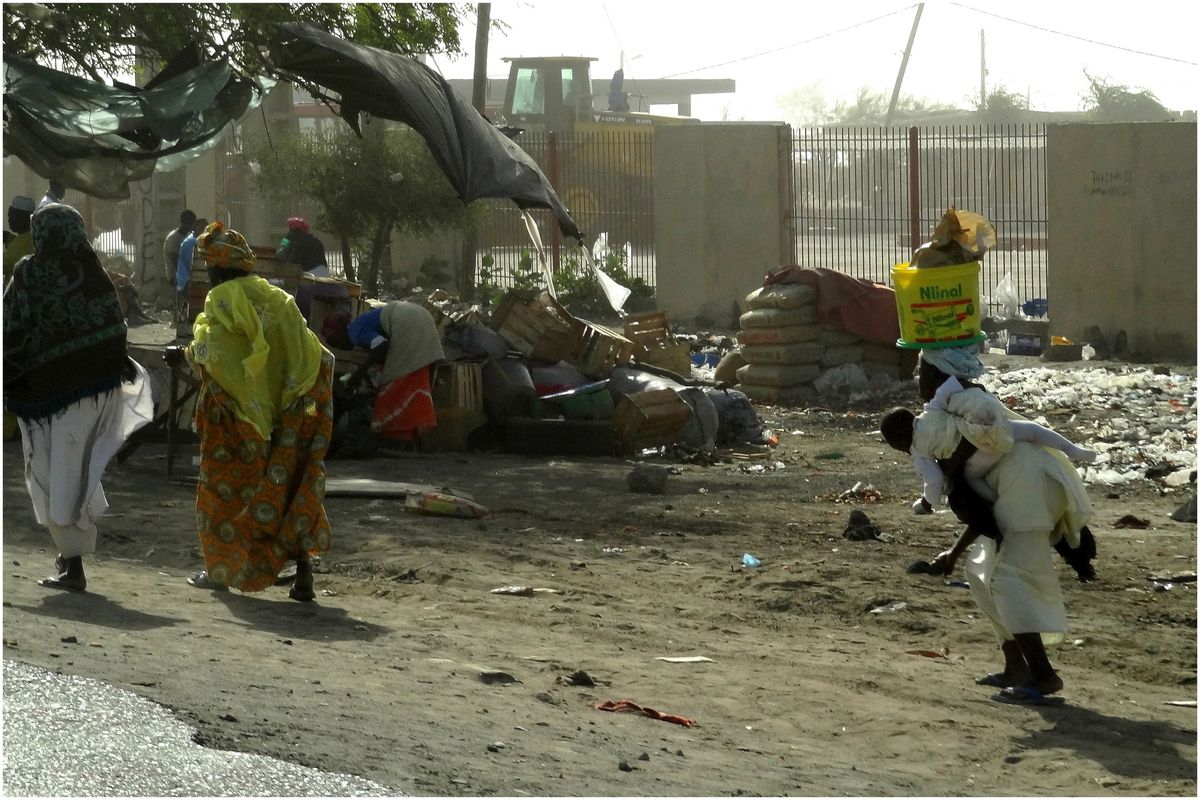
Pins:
x,y
252,340
225,248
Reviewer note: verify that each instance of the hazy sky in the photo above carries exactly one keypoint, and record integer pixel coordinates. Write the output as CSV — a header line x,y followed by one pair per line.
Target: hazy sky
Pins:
x,y
772,47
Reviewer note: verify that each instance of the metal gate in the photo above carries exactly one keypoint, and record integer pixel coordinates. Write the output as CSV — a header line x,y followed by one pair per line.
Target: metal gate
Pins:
x,y
606,181
865,197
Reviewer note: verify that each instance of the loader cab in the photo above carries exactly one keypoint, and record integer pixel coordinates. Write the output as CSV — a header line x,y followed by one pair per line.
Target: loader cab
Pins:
x,y
548,94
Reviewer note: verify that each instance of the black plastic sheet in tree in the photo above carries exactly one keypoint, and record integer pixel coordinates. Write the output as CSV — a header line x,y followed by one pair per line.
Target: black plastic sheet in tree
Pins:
x,y
476,157
99,138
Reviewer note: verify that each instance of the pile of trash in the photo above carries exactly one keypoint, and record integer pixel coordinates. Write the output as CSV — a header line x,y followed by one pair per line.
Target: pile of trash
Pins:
x,y
530,376
1142,421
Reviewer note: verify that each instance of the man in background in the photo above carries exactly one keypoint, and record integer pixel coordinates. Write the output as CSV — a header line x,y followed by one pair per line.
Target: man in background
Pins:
x,y
54,194
21,244
187,220
183,267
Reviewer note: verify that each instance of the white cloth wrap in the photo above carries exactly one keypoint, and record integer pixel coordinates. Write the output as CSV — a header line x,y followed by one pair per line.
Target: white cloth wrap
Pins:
x,y
65,457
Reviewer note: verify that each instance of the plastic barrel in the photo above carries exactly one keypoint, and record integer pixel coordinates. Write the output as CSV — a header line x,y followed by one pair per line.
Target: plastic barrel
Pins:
x,y
937,306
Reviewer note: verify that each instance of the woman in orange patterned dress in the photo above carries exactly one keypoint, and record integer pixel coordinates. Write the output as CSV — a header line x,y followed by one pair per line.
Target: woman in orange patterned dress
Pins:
x,y
264,417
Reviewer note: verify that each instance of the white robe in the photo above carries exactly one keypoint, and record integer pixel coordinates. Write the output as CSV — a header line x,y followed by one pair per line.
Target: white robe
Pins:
x,y
1039,498
65,457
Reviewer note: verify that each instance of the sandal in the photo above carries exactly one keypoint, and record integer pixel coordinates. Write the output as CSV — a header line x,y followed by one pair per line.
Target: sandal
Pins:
x,y
996,680
62,581
1024,695
201,580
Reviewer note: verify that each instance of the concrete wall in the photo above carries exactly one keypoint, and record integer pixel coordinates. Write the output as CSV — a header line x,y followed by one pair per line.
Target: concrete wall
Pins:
x,y
1122,229
721,215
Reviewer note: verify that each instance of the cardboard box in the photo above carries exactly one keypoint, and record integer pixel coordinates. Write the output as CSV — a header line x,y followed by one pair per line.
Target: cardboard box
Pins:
x,y
1024,344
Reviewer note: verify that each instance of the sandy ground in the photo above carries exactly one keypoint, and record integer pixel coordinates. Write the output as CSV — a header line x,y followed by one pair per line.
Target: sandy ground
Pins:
x,y
807,692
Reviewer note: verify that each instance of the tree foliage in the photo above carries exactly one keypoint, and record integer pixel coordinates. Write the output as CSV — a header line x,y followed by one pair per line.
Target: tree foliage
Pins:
x,y
1003,105
871,107
805,105
366,187
1114,102
105,39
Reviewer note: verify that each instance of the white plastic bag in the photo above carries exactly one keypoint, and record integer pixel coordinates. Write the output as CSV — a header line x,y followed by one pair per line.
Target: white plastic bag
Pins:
x,y
845,379
1006,295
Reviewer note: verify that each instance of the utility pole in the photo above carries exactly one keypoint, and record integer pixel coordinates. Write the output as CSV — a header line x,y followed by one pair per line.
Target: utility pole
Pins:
x,y
904,65
479,81
470,246
982,74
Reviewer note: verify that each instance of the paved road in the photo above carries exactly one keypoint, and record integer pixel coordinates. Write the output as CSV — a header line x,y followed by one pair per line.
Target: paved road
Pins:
x,y
70,736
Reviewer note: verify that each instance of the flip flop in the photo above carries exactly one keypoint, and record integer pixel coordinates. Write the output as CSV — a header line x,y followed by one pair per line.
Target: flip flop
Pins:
x,y
995,680
1024,696
59,582
201,581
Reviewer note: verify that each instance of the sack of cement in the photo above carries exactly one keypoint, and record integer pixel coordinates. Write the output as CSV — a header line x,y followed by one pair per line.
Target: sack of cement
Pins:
x,y
800,353
836,356
778,374
789,295
779,395
882,353
791,334
779,317
837,337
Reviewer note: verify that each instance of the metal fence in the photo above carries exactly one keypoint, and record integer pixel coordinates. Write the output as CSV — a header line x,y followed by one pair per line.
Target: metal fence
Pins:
x,y
865,196
606,181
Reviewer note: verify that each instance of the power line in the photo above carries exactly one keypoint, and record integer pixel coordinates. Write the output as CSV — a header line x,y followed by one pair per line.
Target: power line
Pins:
x,y
1073,36
794,44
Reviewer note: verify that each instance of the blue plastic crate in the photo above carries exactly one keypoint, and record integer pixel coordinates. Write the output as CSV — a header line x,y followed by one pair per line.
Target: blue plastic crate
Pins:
x,y
1037,307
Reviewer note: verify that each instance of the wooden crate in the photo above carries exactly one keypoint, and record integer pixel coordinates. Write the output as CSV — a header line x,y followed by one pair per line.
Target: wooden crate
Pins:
x,y
599,349
458,384
647,328
650,419
537,328
654,344
454,427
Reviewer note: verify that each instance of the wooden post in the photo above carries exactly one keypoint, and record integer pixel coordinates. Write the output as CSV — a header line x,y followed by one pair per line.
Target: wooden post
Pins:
x,y
552,163
914,189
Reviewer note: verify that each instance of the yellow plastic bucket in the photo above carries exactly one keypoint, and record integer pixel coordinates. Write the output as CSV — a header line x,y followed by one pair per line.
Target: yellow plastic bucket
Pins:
x,y
937,306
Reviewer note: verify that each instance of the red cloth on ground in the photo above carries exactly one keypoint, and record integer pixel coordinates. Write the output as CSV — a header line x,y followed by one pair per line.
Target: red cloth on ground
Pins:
x,y
629,705
852,304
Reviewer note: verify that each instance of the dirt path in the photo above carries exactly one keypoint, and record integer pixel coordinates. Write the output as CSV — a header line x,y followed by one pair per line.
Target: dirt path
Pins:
x,y
807,691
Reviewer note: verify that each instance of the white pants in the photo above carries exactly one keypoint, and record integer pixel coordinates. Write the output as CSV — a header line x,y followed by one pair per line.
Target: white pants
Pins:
x,y
66,455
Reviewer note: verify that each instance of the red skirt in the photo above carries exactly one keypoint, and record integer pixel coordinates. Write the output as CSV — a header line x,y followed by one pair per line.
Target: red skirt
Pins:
x,y
404,407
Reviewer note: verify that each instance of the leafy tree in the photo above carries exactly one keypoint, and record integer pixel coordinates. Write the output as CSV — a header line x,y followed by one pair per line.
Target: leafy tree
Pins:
x,y
1114,102
99,39
805,105
871,107
367,187
1002,106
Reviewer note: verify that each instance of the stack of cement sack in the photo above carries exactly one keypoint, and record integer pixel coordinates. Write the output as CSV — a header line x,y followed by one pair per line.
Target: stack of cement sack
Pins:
x,y
792,358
